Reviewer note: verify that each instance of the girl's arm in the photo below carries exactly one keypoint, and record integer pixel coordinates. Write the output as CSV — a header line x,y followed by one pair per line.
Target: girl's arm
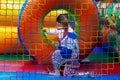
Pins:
x,y
51,31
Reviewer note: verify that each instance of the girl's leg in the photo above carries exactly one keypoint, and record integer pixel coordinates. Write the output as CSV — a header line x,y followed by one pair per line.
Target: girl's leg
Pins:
x,y
71,67
71,70
57,61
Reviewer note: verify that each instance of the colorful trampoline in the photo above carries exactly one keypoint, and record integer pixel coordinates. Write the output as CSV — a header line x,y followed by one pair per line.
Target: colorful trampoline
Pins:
x,y
26,50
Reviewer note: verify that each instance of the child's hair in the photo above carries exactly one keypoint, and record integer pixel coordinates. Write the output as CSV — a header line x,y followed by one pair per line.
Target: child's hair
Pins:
x,y
104,22
63,19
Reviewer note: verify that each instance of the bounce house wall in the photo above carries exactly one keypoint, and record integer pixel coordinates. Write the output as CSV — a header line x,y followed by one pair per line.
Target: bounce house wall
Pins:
x,y
27,50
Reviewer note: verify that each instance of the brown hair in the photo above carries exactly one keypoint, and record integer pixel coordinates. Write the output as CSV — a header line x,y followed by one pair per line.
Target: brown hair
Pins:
x,y
63,19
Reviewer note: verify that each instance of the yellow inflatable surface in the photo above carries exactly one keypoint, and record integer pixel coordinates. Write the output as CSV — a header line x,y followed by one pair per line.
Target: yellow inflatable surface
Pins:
x,y
9,11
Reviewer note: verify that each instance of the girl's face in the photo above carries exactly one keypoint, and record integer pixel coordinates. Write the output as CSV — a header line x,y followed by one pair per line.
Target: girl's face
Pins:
x,y
59,26
63,24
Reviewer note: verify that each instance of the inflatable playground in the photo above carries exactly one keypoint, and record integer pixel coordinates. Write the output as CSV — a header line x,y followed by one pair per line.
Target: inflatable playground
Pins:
x,y
26,49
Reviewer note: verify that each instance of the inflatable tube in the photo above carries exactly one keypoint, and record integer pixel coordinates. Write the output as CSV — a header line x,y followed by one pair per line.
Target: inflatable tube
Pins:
x,y
29,30
9,11
9,42
7,22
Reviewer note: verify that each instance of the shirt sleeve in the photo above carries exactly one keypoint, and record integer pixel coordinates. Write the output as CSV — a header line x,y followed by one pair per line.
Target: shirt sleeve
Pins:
x,y
52,31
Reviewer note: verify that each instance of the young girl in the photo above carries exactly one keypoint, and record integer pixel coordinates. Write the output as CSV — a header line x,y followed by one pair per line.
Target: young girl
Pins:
x,y
67,52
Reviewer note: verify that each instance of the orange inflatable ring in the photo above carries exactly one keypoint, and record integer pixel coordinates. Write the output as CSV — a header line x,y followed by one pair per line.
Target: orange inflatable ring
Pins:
x,y
30,32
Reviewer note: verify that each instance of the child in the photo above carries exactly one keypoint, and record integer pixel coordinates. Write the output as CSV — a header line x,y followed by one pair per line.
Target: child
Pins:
x,y
67,52
109,37
117,45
